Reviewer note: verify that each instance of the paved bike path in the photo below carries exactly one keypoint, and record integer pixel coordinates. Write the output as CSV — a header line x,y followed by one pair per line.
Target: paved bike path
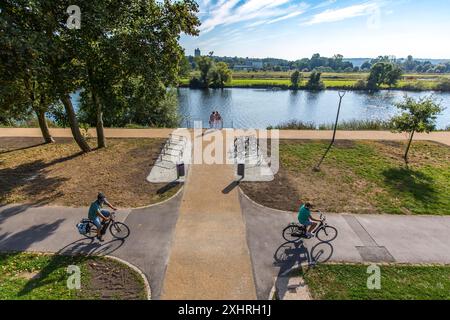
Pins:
x,y
52,230
362,238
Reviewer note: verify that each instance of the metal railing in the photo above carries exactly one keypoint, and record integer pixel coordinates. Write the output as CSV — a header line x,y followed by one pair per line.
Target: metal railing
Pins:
x,y
191,123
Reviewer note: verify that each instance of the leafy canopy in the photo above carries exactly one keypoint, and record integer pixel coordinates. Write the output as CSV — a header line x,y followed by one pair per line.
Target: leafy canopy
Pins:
x,y
418,116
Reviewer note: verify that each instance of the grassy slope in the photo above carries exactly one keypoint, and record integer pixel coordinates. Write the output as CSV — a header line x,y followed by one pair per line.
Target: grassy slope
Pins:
x,y
58,174
51,283
378,175
349,282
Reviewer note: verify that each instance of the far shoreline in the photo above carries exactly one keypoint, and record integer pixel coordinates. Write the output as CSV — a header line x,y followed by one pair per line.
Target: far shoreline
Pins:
x,y
334,88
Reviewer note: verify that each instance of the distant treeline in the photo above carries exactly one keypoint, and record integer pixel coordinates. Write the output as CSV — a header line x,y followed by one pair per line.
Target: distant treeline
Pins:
x,y
337,63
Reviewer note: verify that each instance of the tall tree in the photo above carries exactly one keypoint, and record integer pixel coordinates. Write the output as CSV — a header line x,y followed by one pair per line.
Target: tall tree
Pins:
x,y
205,65
41,25
418,116
126,50
23,74
220,75
314,81
383,73
296,78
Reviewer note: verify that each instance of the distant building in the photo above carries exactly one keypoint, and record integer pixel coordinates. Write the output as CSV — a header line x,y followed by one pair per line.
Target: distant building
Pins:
x,y
198,53
249,65
257,64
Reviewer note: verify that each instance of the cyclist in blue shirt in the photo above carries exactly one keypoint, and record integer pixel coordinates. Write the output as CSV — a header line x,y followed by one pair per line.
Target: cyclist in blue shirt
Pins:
x,y
99,216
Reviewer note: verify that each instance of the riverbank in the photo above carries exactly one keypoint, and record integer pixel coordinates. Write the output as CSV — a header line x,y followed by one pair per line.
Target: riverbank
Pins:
x,y
332,81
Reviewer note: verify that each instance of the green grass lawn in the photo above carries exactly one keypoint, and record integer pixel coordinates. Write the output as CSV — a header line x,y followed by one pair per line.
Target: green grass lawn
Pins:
x,y
373,173
27,276
349,282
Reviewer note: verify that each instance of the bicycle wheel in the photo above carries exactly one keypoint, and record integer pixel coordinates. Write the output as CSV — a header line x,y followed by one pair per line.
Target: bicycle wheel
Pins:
x,y
91,230
119,230
327,234
292,233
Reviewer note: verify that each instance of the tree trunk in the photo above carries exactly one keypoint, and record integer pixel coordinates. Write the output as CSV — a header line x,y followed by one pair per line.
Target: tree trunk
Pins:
x,y
101,141
38,108
409,147
65,99
44,127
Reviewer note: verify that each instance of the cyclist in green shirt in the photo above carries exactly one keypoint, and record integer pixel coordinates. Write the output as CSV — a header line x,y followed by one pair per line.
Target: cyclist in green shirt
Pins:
x,y
304,218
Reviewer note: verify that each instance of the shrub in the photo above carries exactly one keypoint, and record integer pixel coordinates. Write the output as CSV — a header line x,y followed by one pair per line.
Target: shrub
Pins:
x,y
443,85
315,82
376,125
360,85
196,83
295,125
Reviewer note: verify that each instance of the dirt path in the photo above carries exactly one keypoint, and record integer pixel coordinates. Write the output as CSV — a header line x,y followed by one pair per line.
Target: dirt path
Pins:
x,y
441,137
209,257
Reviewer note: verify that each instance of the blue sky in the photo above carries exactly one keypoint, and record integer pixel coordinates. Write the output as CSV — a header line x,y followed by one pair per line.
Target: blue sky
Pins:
x,y
293,29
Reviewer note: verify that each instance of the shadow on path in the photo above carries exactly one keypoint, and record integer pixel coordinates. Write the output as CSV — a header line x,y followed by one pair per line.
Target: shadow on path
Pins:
x,y
292,257
233,185
23,240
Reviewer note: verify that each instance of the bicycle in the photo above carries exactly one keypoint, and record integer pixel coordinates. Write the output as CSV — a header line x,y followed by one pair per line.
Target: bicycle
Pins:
x,y
118,230
323,232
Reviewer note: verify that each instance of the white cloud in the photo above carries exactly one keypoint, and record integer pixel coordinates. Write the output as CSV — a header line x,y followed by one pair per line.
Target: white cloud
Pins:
x,y
288,16
227,12
334,15
324,4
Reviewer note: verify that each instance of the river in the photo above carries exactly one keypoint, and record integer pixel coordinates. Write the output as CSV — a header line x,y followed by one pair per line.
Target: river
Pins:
x,y
260,108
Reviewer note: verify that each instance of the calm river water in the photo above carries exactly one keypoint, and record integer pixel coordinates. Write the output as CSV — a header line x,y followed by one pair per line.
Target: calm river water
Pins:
x,y
260,108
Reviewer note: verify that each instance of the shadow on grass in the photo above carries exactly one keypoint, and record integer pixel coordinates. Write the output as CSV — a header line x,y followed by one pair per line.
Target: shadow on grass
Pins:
x,y
31,177
23,148
75,253
166,188
417,184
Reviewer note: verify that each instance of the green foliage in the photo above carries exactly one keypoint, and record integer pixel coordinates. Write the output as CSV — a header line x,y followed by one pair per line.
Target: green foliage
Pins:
x,y
401,282
59,115
418,116
383,73
132,101
295,125
443,85
296,79
376,125
220,75
343,125
315,82
106,57
185,67
361,85
205,64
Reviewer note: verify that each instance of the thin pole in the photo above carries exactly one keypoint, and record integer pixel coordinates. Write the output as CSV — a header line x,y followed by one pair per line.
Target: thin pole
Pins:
x,y
341,96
